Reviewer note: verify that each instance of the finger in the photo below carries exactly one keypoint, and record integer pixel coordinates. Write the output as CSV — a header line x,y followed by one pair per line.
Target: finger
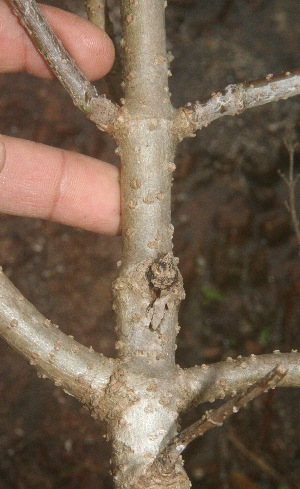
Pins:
x,y
49,183
91,48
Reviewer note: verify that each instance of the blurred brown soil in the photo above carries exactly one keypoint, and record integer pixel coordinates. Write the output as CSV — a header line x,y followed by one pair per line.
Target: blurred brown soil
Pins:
x,y
238,256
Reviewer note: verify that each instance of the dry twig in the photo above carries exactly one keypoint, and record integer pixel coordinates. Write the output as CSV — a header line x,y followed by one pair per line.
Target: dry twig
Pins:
x,y
84,95
216,417
98,13
291,181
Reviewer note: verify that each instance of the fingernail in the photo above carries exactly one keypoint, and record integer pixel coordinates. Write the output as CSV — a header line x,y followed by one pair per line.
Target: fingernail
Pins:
x,y
2,155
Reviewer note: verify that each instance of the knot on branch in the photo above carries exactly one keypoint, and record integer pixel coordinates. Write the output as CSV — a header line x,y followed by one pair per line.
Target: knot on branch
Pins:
x,y
163,273
103,112
165,284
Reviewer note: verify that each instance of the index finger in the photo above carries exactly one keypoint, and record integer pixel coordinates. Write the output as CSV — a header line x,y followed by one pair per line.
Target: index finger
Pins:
x,y
91,48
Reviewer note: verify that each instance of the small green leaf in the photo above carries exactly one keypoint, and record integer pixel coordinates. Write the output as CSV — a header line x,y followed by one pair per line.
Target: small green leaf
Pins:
x,y
211,295
264,337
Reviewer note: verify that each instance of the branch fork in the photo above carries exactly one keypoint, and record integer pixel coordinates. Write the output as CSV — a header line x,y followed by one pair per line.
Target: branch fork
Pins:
x,y
142,392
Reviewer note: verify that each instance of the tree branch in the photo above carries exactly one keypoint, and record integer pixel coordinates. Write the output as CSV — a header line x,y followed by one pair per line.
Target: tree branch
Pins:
x,y
291,182
145,59
96,12
84,95
216,417
149,288
209,382
234,99
78,370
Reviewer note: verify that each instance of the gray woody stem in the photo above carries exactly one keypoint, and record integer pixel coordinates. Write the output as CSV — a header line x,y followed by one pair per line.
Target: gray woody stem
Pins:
x,y
209,382
144,390
96,12
149,289
84,95
236,98
216,417
78,370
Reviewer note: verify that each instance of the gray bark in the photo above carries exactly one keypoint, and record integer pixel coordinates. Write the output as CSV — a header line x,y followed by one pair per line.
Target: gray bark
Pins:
x,y
234,99
140,394
84,95
96,12
77,369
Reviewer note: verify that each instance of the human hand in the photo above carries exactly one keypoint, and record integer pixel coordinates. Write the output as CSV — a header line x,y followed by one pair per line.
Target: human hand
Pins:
x,y
45,182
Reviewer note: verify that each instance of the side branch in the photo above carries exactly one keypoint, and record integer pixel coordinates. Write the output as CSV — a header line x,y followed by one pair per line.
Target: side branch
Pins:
x,y
236,98
84,95
78,370
96,12
231,377
216,417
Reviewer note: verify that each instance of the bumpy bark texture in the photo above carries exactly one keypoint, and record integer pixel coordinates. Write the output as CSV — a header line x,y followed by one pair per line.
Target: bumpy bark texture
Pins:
x,y
140,394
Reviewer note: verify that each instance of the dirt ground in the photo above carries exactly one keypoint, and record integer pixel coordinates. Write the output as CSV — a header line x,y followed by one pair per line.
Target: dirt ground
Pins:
x,y
233,235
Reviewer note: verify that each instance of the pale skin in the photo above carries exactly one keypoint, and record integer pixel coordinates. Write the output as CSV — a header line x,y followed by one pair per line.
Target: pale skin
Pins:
x,y
49,183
